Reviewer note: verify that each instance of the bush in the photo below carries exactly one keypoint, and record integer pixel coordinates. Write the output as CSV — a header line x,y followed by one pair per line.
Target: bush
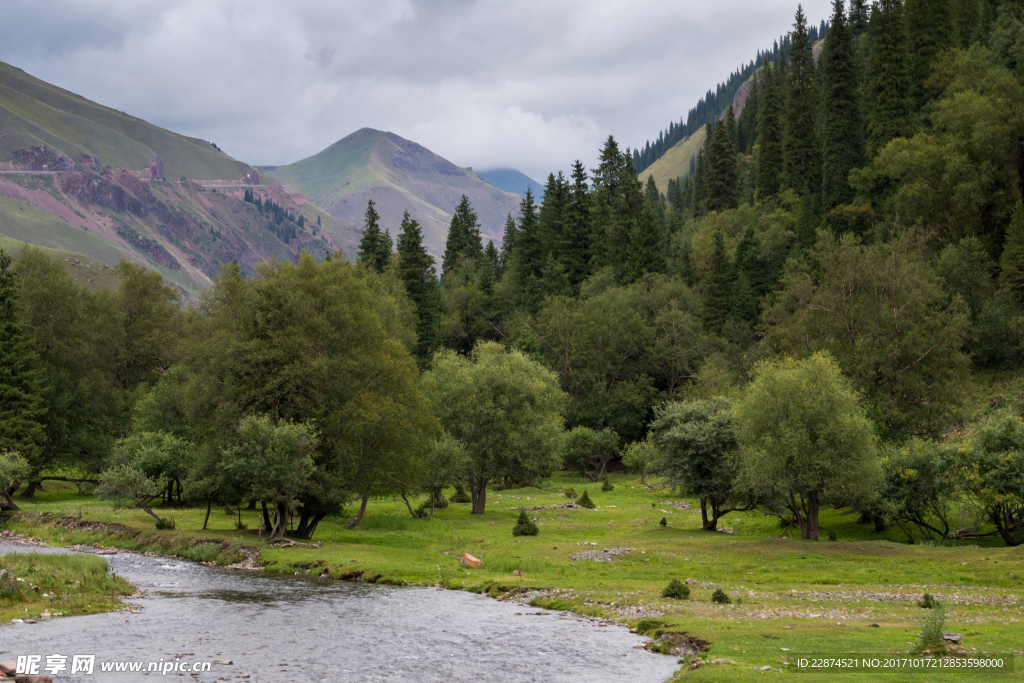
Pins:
x,y
648,625
460,496
720,597
525,527
585,502
165,523
927,601
676,589
606,483
663,522
571,494
932,627
832,536
240,525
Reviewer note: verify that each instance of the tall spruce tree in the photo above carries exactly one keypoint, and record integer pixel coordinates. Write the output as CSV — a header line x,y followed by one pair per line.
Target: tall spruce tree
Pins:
x,y
842,138
374,250
529,242
800,148
508,242
717,288
747,124
416,269
768,153
576,240
463,237
859,17
723,172
929,26
22,409
886,103
646,251
1011,263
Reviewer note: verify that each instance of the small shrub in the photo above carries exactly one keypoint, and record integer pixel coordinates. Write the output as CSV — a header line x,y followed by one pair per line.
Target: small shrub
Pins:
x,y
165,523
460,496
585,502
648,625
676,589
832,536
932,627
571,494
606,483
440,502
525,527
720,597
240,525
927,601
663,522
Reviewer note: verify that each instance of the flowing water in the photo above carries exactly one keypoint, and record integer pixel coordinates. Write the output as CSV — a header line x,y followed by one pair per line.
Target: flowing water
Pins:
x,y
290,628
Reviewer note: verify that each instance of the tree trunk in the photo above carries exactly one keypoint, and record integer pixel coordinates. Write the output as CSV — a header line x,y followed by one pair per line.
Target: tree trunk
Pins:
x,y
716,514
359,515
229,511
266,518
149,512
209,506
6,502
280,521
478,491
408,506
704,512
30,490
810,529
879,521
251,505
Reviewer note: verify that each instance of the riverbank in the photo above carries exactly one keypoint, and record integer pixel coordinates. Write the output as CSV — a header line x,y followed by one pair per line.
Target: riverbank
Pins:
x,y
856,594
36,587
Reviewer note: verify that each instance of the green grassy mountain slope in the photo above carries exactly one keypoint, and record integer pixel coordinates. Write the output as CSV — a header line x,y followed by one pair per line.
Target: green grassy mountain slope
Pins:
x,y
33,113
398,175
511,180
675,163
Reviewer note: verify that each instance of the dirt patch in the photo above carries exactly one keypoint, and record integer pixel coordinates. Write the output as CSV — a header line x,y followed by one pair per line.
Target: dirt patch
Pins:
x,y
678,644
604,555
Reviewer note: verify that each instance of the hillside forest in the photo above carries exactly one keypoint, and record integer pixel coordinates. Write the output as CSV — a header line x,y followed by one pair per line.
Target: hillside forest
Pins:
x,y
797,324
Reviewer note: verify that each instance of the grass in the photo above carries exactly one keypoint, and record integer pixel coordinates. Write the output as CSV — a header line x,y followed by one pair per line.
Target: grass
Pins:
x,y
59,584
803,596
675,163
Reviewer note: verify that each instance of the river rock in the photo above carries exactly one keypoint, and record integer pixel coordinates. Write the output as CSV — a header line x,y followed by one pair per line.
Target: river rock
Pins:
x,y
952,637
516,572
8,667
470,561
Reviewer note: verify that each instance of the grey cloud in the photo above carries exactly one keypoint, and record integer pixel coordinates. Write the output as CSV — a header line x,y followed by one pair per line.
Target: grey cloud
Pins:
x,y
481,82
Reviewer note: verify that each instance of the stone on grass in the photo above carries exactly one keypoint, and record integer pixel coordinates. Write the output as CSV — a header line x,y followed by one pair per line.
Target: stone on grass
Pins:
x,y
470,561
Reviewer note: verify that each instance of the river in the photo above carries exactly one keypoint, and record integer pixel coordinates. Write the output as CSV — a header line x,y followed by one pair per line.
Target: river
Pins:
x,y
295,628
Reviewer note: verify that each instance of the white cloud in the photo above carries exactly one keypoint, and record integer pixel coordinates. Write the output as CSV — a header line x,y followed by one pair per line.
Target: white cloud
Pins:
x,y
481,82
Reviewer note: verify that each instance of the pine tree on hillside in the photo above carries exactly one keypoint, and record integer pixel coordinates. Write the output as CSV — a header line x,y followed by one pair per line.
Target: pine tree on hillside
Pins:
x,y
929,28
493,257
859,17
463,237
657,202
416,269
552,215
747,124
808,221
646,251
699,197
529,244
717,288
21,377
577,238
723,171
387,247
886,105
842,139
768,153
801,160
1011,263
743,306
371,245
508,242
732,129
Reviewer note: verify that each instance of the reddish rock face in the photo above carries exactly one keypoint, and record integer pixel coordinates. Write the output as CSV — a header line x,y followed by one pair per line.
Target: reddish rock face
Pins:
x,y
39,158
156,168
251,178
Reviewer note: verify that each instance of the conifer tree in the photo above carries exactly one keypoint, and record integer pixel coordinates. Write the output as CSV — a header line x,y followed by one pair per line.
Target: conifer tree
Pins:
x,y
656,201
747,124
858,16
493,257
723,174
808,221
744,302
646,251
463,237
551,216
21,377
768,155
576,245
372,245
416,269
508,242
717,288
1011,263
842,140
929,32
886,105
529,244
801,161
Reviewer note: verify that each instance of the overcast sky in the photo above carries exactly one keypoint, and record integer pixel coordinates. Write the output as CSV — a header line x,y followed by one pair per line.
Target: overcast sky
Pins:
x,y
483,83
